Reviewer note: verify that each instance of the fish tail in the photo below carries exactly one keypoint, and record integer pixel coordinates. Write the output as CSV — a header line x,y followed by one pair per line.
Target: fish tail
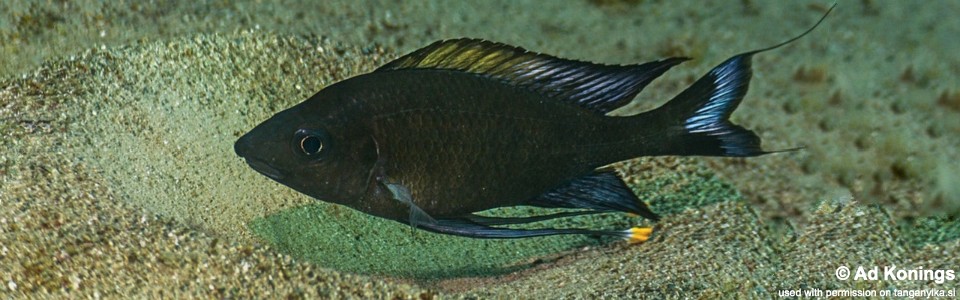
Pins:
x,y
698,119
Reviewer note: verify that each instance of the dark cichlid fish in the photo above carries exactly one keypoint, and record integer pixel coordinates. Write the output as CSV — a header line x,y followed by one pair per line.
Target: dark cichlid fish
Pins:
x,y
467,125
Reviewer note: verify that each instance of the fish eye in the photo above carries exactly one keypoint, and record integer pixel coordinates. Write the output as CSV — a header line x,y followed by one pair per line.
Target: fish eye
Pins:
x,y
311,144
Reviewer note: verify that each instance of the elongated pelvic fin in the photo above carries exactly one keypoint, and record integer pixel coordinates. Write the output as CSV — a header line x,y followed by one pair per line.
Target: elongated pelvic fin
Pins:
x,y
638,234
468,228
484,220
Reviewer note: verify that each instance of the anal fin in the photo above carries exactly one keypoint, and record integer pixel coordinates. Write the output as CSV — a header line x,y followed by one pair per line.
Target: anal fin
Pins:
x,y
602,190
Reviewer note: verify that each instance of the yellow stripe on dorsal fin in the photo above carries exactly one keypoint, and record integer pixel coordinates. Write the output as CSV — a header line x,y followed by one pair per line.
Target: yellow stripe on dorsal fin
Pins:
x,y
599,88
469,55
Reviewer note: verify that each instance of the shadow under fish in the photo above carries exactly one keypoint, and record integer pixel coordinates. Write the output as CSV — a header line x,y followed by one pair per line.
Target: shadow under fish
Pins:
x,y
466,125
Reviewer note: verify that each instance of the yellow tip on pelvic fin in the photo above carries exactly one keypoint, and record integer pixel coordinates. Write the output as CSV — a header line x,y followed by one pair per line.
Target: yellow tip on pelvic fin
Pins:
x,y
638,234
632,215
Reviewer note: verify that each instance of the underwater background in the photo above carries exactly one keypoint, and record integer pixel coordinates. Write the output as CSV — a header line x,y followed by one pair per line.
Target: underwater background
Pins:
x,y
118,178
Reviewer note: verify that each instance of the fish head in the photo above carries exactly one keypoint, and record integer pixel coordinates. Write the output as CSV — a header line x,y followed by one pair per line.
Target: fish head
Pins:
x,y
323,155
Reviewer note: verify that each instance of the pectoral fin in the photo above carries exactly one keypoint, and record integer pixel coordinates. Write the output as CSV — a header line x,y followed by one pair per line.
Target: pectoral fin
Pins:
x,y
418,217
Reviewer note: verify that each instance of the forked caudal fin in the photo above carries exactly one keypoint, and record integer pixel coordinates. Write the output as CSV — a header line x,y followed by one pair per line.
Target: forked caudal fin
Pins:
x,y
697,119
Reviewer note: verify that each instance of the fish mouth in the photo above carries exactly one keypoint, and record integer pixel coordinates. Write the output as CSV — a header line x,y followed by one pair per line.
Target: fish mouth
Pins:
x,y
265,169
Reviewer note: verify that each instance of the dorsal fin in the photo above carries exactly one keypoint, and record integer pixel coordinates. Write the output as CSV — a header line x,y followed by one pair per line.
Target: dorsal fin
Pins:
x,y
599,88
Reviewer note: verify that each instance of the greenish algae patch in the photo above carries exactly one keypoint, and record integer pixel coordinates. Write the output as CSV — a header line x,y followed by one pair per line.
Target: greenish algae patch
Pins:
x,y
930,230
340,238
356,243
673,184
